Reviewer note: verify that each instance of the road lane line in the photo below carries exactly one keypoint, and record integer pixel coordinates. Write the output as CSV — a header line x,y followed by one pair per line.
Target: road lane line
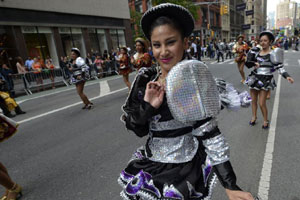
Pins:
x,y
299,62
231,63
286,64
264,183
104,88
66,107
213,62
227,60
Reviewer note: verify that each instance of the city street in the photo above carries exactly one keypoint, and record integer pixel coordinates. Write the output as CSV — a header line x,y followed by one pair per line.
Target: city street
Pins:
x,y
63,152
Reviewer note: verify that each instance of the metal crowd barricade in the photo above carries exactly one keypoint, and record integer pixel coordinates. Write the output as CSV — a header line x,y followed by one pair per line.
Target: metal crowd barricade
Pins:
x,y
44,78
108,68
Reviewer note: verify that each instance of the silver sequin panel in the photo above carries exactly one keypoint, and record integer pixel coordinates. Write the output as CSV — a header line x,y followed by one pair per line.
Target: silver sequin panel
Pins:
x,y
217,149
173,150
281,70
264,71
173,124
205,128
191,92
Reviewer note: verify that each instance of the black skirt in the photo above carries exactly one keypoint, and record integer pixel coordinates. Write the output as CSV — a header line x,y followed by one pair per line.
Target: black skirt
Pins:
x,y
261,82
149,180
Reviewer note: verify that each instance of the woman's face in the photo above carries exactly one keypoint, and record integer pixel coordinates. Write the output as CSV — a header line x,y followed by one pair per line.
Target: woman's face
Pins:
x,y
264,42
123,51
167,46
73,55
240,40
139,47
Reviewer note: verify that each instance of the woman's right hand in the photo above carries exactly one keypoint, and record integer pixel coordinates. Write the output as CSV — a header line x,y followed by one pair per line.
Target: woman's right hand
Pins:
x,y
154,94
238,195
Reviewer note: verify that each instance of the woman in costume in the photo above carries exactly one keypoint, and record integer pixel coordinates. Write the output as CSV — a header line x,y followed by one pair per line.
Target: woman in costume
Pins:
x,y
265,61
124,69
80,73
141,58
13,191
182,158
240,49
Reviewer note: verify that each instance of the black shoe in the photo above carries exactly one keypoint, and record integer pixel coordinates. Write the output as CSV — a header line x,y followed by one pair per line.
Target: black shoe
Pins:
x,y
85,107
252,122
19,111
10,115
90,106
265,127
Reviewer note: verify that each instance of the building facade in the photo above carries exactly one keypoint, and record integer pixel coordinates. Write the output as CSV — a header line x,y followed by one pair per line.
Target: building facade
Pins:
x,y
286,13
256,19
31,29
236,19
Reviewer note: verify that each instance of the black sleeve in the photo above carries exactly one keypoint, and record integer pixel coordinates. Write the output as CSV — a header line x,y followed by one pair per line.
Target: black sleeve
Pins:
x,y
224,169
137,112
226,176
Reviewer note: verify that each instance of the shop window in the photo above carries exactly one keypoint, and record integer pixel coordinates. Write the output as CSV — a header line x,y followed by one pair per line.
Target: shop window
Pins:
x,y
121,36
102,40
72,37
8,50
95,48
40,43
114,38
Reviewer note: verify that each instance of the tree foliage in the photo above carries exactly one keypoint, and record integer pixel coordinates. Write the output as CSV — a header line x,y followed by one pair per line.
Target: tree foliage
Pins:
x,y
136,28
188,4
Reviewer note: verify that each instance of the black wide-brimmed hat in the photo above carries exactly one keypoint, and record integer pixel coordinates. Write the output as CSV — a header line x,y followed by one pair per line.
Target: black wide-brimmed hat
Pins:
x,y
269,33
76,50
173,11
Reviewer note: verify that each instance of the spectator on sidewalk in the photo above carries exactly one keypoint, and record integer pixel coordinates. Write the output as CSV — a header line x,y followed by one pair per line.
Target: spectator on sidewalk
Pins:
x,y
50,70
21,70
37,70
28,63
7,74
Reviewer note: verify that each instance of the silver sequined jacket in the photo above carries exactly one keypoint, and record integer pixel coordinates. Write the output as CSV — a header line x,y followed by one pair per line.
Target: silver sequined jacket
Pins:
x,y
171,141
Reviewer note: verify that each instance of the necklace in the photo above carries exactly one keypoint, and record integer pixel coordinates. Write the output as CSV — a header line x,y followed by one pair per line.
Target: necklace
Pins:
x,y
162,80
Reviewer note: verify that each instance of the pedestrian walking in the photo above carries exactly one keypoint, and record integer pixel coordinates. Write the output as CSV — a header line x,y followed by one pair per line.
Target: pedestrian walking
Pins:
x,y
220,47
240,49
80,73
261,79
168,166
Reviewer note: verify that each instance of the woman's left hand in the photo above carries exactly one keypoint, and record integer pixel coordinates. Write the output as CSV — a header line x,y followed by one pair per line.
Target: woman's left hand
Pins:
x,y
256,65
238,195
290,79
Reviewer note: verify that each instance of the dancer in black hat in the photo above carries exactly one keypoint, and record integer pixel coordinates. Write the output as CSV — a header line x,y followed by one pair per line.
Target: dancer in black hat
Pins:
x,y
265,61
185,153
80,73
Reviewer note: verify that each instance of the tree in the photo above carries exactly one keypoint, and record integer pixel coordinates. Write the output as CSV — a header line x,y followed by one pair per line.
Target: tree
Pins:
x,y
188,4
135,19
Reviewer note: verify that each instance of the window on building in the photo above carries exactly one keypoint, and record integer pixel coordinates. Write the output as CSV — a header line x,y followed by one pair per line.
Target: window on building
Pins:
x,y
40,42
252,22
8,50
121,36
114,38
72,37
95,48
102,40
252,30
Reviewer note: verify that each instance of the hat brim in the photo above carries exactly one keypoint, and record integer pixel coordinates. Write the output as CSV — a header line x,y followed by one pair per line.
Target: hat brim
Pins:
x,y
176,12
267,33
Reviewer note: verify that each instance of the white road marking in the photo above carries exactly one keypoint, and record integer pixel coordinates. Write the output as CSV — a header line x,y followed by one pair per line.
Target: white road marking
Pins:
x,y
286,51
227,60
231,63
299,62
66,107
213,62
264,183
286,64
104,88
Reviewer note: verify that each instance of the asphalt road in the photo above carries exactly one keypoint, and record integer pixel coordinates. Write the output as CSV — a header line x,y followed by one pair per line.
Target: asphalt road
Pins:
x,y
63,152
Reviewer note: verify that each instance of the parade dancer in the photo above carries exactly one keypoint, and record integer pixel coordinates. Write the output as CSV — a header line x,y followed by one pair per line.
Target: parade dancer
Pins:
x,y
124,69
141,58
265,61
240,49
181,160
80,73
